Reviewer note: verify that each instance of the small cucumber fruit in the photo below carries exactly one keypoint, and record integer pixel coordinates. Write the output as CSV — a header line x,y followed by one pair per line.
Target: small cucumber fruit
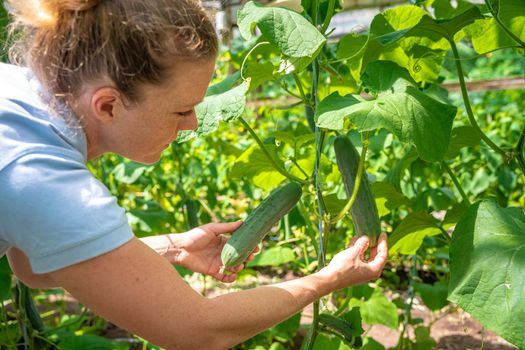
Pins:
x,y
259,222
364,210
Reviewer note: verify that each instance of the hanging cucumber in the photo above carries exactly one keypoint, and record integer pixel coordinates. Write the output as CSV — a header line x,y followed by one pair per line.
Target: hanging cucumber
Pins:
x,y
192,213
310,116
258,224
364,210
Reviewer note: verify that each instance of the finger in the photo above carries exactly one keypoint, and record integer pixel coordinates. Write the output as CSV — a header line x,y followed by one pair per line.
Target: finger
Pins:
x,y
222,227
235,269
352,241
361,245
381,255
229,278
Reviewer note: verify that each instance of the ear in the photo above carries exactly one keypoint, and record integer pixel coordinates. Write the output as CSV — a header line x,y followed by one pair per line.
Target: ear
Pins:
x,y
106,103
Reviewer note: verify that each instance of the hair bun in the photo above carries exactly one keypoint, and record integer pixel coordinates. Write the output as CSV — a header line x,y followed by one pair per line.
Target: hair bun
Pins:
x,y
45,13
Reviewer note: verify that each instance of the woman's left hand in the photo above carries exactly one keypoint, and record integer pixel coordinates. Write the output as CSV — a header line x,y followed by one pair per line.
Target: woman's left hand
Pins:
x,y
200,250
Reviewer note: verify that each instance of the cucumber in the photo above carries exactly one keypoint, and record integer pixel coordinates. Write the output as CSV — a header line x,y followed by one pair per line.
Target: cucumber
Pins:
x,y
364,211
310,117
258,224
192,213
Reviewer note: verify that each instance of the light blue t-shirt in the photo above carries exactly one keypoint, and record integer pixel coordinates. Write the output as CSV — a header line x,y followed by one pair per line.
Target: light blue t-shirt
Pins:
x,y
51,206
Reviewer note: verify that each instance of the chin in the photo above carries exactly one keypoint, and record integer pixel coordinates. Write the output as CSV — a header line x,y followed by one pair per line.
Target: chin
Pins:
x,y
146,159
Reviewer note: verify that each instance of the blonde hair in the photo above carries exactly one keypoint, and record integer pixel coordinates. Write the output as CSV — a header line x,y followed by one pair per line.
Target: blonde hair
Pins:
x,y
67,43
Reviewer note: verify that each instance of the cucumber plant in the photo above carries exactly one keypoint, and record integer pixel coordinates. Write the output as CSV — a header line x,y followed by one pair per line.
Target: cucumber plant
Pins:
x,y
387,84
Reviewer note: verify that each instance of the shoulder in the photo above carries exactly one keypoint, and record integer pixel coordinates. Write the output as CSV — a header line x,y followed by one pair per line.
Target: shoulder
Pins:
x,y
28,125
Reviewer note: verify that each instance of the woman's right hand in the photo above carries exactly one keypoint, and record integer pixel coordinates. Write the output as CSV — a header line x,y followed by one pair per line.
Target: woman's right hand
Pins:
x,y
349,267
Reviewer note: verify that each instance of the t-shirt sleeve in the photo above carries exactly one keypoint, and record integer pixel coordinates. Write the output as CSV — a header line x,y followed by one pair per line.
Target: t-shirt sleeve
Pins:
x,y
58,213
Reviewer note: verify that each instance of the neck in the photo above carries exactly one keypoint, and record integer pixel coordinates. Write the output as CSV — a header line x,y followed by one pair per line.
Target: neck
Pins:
x,y
91,128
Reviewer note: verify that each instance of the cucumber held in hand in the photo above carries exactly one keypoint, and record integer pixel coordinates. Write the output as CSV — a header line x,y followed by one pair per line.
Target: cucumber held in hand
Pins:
x,y
258,224
364,210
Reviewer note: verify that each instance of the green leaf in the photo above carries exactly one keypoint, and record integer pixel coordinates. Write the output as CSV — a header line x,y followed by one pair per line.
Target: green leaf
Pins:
x,y
351,45
487,261
327,342
443,9
370,344
424,340
387,197
288,31
226,106
462,136
434,296
225,85
333,109
423,65
275,256
400,108
258,72
379,310
129,172
148,220
254,164
333,204
487,35
429,27
70,341
396,174
409,235
5,279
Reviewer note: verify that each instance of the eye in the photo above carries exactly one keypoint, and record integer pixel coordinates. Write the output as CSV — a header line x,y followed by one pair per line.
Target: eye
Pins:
x,y
185,114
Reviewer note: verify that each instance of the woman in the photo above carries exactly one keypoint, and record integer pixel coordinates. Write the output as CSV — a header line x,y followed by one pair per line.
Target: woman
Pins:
x,y
124,77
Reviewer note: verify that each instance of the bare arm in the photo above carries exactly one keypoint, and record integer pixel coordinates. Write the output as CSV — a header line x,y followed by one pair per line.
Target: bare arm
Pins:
x,y
20,265
138,290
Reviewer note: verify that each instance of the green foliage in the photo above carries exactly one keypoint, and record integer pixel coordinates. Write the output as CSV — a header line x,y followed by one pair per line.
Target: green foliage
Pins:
x,y
486,267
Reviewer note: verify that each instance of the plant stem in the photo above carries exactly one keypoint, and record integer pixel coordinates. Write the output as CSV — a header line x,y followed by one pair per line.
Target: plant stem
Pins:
x,y
300,87
456,182
408,307
468,106
319,139
329,15
277,167
518,151
505,28
285,88
357,183
294,161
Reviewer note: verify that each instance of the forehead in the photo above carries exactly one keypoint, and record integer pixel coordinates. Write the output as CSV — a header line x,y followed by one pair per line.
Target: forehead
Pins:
x,y
186,83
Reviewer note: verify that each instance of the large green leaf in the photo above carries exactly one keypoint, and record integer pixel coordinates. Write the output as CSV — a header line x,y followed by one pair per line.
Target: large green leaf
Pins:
x,y
224,106
420,56
487,35
429,27
275,256
487,261
387,197
400,108
379,310
292,34
462,136
409,235
254,164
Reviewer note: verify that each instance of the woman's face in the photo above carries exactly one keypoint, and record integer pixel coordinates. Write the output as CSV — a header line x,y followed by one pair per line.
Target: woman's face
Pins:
x,y
143,130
